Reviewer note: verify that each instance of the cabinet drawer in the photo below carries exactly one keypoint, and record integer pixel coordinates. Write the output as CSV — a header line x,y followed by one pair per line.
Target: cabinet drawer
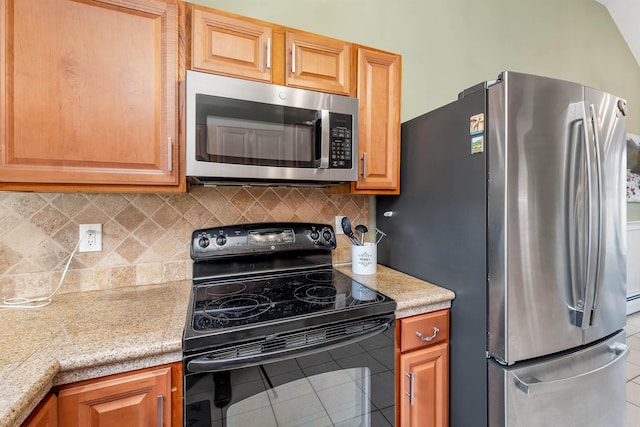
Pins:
x,y
433,325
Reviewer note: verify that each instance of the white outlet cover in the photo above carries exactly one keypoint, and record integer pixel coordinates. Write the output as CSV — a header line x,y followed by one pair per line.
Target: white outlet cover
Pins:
x,y
88,242
339,224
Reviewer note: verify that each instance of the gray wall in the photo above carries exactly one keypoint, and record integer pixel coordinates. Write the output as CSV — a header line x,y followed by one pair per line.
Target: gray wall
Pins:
x,y
449,45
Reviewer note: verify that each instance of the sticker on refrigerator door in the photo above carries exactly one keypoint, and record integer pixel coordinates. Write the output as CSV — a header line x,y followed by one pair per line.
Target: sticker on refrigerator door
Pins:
x,y
476,124
477,144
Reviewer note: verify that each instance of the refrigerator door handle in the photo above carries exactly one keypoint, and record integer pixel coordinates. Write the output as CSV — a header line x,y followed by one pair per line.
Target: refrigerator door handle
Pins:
x,y
591,298
534,386
586,277
580,250
577,188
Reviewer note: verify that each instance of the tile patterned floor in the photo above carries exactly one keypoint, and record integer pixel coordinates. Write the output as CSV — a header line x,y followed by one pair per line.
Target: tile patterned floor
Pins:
x,y
633,370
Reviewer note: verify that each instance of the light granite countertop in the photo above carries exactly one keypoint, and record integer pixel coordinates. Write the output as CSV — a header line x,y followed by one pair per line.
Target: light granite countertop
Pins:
x,y
93,334
413,296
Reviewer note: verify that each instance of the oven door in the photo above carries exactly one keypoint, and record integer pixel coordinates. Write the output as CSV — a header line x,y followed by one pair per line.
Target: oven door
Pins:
x,y
348,383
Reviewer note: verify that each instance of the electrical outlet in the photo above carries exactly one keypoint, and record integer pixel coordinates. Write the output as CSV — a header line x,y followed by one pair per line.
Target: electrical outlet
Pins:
x,y
91,238
339,224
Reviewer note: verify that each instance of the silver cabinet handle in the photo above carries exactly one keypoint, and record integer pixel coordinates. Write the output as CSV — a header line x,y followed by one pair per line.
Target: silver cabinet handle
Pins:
x,y
293,58
269,52
364,165
410,392
160,408
170,154
423,338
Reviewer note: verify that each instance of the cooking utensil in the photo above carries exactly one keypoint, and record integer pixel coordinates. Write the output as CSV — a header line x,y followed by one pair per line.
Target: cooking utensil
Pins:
x,y
379,235
362,229
346,227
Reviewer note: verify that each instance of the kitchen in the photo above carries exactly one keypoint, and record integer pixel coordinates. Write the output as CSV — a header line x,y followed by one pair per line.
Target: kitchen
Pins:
x,y
146,234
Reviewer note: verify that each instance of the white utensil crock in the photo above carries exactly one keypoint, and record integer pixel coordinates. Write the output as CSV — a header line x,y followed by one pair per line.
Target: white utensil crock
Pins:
x,y
364,259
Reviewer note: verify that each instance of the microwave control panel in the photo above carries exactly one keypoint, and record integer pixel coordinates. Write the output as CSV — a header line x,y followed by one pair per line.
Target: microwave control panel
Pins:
x,y
341,142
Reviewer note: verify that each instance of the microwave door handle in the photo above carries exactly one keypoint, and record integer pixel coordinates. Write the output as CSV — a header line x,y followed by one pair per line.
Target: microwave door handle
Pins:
x,y
325,134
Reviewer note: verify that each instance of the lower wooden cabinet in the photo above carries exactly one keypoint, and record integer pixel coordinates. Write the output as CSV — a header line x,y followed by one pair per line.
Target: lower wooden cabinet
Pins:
x,y
147,397
423,370
425,379
139,399
45,414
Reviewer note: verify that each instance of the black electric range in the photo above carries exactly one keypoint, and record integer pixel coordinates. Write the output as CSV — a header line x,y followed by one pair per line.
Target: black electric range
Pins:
x,y
270,319
257,280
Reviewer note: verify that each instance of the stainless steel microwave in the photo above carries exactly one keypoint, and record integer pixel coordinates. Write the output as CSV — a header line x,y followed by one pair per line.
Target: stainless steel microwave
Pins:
x,y
241,130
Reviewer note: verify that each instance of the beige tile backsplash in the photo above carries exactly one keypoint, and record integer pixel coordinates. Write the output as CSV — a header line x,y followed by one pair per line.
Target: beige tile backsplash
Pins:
x,y
145,236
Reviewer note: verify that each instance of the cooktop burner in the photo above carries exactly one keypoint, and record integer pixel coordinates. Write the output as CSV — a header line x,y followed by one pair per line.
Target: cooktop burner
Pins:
x,y
224,304
316,294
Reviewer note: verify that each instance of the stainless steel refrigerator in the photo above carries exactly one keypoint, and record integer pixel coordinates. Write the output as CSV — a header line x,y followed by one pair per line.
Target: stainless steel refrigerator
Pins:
x,y
513,197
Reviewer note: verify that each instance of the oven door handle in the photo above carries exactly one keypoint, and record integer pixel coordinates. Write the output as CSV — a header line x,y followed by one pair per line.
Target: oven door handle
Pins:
x,y
204,364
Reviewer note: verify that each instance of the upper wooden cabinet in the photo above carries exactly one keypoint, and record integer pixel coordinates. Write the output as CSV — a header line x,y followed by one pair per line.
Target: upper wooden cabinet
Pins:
x,y
232,45
318,63
88,95
379,76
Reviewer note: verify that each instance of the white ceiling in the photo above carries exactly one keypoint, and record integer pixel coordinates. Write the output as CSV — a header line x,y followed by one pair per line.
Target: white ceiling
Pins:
x,y
626,14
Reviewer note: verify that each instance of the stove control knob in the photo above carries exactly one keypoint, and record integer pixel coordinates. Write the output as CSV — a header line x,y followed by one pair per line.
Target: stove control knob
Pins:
x,y
203,242
315,235
221,240
327,235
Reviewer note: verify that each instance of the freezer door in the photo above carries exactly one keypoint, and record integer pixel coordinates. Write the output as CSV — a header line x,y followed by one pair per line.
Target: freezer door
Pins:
x,y
582,389
606,293
554,218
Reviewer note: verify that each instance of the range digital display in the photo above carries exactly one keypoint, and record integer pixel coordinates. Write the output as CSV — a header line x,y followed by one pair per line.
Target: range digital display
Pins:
x,y
270,237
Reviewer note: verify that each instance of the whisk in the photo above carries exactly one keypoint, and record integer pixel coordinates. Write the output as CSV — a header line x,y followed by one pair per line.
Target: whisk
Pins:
x,y
379,235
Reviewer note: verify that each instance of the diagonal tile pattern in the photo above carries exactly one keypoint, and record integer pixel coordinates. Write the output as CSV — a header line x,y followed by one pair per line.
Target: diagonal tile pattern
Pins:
x,y
145,236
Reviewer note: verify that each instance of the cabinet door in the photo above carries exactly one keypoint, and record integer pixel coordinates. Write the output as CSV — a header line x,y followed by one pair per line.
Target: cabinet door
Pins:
x,y
379,131
88,92
45,415
318,63
424,387
230,46
138,399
